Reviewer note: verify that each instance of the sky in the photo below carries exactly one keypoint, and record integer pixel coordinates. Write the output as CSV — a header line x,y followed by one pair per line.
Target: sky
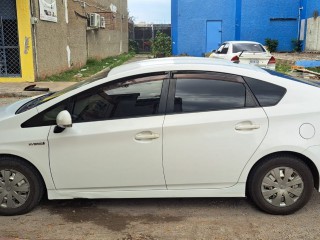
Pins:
x,y
150,11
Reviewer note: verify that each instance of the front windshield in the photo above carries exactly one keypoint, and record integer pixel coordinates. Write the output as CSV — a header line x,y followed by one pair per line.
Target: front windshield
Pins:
x,y
51,95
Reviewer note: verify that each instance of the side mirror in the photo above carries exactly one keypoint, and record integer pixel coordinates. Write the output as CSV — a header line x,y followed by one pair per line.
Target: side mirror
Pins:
x,y
63,120
213,51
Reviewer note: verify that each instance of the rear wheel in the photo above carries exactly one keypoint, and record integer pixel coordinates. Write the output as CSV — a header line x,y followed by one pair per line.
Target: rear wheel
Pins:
x,y
21,187
281,185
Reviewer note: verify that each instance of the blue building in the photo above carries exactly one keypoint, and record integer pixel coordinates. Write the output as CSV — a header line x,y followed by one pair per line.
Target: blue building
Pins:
x,y
199,26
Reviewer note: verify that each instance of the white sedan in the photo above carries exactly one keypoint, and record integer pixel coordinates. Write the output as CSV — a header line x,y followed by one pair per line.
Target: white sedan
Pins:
x,y
175,127
246,52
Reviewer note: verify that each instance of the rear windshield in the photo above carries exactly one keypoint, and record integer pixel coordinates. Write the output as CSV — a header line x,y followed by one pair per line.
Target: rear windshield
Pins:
x,y
247,47
301,80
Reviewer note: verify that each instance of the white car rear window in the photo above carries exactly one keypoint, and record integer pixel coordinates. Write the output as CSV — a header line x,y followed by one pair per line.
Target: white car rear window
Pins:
x,y
247,47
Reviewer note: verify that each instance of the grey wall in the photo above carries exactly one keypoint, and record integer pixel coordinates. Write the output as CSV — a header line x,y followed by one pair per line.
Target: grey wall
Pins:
x,y
52,39
313,35
312,42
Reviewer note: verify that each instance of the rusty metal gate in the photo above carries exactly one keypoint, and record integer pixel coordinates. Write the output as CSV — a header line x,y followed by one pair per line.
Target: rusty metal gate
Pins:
x,y
9,40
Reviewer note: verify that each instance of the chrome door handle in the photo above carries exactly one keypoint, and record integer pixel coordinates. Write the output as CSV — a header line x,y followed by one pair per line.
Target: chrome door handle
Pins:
x,y
246,127
147,135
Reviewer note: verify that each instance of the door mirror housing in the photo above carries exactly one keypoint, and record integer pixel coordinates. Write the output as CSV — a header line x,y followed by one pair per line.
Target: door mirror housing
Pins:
x,y
64,119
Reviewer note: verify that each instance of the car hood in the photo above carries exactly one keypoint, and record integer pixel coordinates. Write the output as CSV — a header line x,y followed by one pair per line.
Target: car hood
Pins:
x,y
10,110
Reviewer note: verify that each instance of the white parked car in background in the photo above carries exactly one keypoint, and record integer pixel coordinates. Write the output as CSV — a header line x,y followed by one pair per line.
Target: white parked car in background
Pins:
x,y
246,52
175,127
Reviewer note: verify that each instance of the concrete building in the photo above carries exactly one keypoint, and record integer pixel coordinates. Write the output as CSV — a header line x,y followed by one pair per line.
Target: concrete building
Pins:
x,y
311,25
39,38
199,26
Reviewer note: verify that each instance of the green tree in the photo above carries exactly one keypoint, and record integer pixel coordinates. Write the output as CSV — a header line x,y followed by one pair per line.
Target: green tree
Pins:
x,y
297,45
161,45
272,44
133,46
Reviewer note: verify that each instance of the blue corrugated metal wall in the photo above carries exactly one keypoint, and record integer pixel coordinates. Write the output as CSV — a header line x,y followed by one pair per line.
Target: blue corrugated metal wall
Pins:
x,y
263,19
189,23
252,20
311,6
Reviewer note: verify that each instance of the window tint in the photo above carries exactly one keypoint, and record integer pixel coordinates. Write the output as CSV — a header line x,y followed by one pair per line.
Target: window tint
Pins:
x,y
247,47
133,98
121,100
47,117
195,95
267,94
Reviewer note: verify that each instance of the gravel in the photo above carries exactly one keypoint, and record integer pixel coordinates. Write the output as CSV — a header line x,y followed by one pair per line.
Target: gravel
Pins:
x,y
297,56
149,219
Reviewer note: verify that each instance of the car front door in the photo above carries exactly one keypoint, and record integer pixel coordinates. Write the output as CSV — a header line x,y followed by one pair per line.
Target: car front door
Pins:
x,y
214,127
115,142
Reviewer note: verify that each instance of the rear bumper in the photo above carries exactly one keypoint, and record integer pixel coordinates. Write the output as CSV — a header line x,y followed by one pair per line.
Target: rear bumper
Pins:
x,y
271,67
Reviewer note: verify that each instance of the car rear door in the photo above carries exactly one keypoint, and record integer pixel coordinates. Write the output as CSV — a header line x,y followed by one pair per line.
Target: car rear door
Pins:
x,y
212,128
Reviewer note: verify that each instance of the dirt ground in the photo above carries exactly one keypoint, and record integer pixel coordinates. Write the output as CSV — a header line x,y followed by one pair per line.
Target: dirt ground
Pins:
x,y
150,219
297,56
4,101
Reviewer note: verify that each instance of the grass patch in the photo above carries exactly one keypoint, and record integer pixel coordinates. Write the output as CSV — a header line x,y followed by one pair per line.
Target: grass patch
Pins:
x,y
283,67
92,67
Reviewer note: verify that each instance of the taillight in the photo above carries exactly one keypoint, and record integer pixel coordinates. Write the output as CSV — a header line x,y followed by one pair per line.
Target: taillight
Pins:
x,y
272,60
235,59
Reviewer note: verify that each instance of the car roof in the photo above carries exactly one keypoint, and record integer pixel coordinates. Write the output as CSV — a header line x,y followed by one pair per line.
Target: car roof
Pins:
x,y
180,63
233,42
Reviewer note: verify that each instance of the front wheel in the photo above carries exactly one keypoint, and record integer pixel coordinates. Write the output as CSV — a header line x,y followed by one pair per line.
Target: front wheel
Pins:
x,y
281,185
21,187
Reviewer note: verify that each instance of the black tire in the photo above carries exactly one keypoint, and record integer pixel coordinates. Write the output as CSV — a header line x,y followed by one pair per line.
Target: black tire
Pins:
x,y
287,202
32,180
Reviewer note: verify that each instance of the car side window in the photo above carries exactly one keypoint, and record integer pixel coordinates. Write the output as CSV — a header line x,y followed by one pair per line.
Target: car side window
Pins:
x,y
220,49
47,117
267,94
196,95
132,98
225,49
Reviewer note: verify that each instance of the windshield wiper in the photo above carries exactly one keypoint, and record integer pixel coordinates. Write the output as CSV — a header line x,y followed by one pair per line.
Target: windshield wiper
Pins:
x,y
33,103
